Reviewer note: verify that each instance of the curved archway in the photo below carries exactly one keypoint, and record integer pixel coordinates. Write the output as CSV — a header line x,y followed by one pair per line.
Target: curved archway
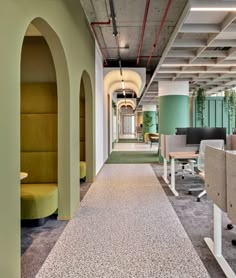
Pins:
x,y
112,81
65,204
128,102
89,151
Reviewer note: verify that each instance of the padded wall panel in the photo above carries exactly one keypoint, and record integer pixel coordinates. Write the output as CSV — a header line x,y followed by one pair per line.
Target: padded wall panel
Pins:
x,y
39,98
82,129
82,151
38,132
40,166
82,108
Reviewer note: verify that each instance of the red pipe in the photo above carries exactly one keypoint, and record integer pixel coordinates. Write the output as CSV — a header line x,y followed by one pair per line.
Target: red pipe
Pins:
x,y
159,30
159,56
143,29
95,34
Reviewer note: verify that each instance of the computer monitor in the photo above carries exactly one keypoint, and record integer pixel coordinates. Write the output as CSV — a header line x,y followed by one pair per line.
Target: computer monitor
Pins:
x,y
181,131
196,134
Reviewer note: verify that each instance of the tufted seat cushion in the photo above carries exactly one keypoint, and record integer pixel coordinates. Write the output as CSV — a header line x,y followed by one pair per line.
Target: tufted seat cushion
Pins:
x,y
38,200
82,169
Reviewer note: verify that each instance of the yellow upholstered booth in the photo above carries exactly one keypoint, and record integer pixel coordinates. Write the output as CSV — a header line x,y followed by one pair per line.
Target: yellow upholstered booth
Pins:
x,y
39,191
147,136
82,140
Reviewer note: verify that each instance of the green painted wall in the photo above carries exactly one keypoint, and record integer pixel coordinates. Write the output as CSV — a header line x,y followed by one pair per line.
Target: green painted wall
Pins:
x,y
173,112
149,121
71,60
215,114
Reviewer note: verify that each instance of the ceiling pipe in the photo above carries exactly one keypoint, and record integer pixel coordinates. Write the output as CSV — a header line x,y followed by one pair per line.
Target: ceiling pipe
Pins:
x,y
95,34
159,31
143,29
113,17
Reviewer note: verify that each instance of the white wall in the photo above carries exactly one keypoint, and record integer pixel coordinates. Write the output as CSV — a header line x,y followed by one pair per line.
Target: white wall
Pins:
x,y
99,102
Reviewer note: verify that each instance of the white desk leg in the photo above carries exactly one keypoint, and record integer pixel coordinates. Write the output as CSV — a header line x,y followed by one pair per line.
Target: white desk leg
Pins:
x,y
172,185
216,245
165,172
217,231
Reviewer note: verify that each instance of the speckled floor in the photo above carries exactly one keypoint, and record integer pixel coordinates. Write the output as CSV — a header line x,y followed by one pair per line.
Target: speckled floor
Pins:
x,y
37,242
126,227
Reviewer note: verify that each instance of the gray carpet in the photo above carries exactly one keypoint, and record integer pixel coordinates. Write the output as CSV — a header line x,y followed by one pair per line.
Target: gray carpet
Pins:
x,y
37,242
197,219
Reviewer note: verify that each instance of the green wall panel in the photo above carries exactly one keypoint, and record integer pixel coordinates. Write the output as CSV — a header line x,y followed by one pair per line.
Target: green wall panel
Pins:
x,y
215,114
173,112
219,112
211,113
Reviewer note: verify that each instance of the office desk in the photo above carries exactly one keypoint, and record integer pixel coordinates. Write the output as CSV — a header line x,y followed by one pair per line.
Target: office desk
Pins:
x,y
176,155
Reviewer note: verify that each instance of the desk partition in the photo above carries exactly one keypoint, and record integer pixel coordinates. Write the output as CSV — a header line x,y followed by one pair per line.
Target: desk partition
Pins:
x,y
215,176
220,183
231,185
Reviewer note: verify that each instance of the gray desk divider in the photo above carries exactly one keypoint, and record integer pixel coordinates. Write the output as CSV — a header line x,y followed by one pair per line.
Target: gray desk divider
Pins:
x,y
231,185
232,142
219,169
177,143
162,147
215,176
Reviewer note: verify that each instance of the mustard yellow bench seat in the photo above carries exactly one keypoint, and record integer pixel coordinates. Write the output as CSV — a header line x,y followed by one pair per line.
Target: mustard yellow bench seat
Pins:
x,y
38,200
147,136
82,169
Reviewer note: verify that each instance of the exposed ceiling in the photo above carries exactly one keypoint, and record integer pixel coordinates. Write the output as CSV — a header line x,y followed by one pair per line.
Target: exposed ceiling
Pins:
x,y
129,17
202,49
194,46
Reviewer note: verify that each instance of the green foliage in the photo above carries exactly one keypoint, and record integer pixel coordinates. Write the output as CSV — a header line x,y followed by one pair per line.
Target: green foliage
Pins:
x,y
230,103
148,120
114,107
200,94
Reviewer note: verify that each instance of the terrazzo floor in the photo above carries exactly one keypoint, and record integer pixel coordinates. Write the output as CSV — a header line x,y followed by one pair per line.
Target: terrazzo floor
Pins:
x,y
135,147
125,227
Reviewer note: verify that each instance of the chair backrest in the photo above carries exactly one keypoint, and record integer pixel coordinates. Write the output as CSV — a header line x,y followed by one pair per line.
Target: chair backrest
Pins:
x,y
218,144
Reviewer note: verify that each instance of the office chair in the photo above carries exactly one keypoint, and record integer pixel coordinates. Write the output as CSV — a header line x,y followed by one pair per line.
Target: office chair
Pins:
x,y
153,138
186,166
219,144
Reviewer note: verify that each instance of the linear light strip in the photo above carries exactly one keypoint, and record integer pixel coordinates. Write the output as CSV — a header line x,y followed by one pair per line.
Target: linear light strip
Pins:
x,y
211,9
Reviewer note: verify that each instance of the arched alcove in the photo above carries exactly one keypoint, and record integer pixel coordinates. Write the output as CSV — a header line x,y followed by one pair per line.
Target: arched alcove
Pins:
x,y
63,96
69,59
86,96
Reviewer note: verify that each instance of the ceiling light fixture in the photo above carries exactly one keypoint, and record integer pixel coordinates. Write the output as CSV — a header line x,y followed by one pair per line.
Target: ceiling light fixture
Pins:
x,y
214,6
213,9
123,84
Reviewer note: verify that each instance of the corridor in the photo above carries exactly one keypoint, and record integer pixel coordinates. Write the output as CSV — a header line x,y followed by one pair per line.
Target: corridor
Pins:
x,y
125,227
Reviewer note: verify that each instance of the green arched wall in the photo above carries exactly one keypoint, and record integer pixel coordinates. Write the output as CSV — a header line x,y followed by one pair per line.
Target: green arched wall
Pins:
x,y
70,60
